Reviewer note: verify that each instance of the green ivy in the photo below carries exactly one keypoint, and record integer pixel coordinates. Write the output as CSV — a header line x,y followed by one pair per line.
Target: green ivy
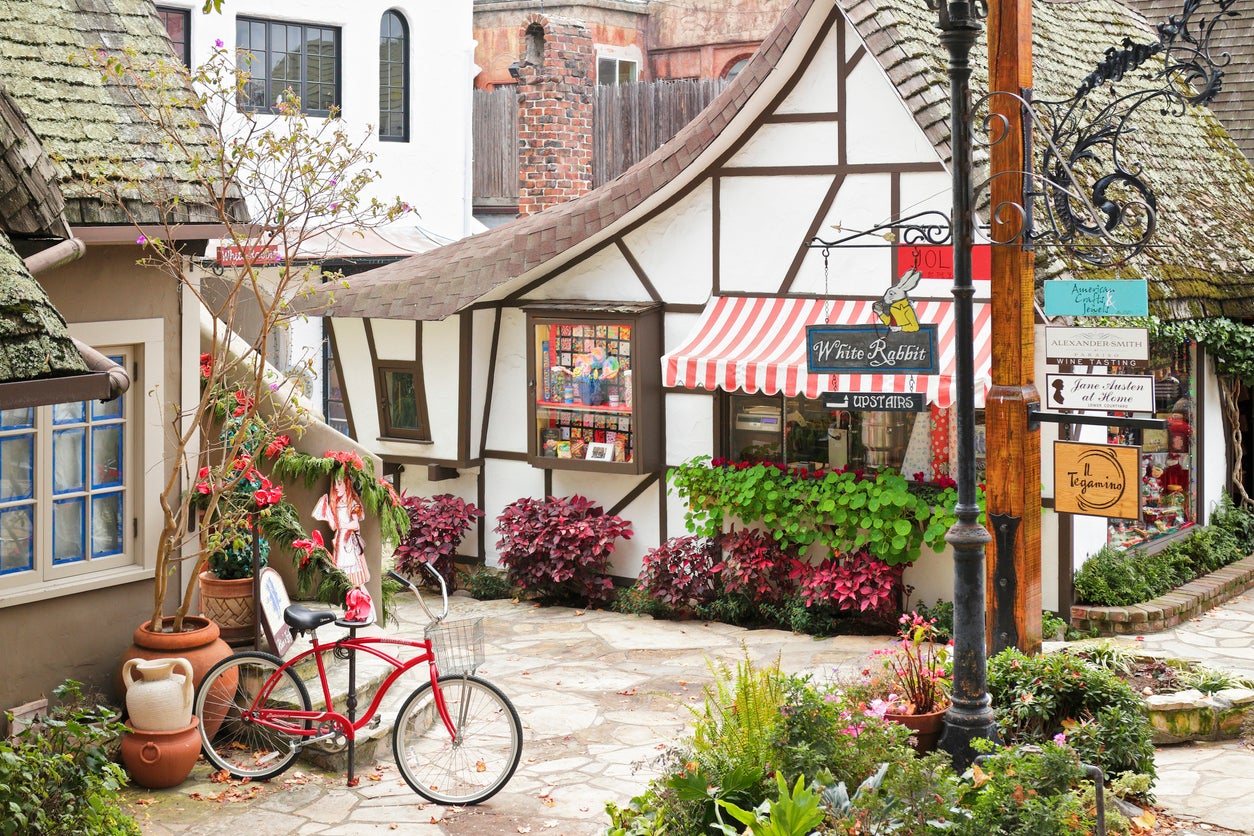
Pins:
x,y
846,511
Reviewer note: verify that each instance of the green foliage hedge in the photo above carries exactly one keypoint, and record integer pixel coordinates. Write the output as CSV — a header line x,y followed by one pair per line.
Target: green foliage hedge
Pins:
x,y
1117,578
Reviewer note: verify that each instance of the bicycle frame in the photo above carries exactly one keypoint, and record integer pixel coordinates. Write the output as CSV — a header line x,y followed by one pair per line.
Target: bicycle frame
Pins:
x,y
274,718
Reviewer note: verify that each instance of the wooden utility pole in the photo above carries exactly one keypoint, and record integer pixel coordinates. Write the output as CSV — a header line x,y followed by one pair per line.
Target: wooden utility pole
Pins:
x,y
1013,470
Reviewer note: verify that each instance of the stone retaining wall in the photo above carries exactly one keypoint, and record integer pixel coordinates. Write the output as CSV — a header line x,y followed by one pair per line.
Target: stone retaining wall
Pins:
x,y
1167,610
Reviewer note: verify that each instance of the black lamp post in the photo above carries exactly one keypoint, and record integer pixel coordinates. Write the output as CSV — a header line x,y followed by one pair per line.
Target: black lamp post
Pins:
x,y
971,714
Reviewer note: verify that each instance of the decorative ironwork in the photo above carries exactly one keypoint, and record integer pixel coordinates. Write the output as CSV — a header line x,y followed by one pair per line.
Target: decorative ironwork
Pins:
x,y
901,231
1095,201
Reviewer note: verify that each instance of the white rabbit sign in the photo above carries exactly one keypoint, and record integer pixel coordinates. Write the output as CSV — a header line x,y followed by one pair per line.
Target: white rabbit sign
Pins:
x,y
895,344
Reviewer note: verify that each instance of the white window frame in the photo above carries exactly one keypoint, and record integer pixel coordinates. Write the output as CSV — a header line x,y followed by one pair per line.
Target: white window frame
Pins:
x,y
143,345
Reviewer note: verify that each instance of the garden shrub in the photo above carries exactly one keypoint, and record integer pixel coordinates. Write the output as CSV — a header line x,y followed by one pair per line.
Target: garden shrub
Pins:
x,y
437,525
755,567
558,549
1037,698
682,573
486,584
1237,521
56,776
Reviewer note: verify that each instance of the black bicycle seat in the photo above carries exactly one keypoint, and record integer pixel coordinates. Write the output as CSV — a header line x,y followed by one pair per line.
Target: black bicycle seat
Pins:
x,y
303,619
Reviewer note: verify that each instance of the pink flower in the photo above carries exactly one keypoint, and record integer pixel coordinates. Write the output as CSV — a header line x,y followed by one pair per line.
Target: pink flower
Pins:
x,y
141,240
1061,738
218,43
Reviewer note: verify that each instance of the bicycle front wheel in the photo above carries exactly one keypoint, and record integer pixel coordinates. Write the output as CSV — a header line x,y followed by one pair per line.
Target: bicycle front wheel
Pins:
x,y
471,766
242,747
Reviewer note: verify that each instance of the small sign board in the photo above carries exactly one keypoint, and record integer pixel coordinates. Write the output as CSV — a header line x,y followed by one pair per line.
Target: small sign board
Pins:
x,y
1100,392
1126,348
1097,297
1098,480
937,262
876,401
274,601
237,256
870,349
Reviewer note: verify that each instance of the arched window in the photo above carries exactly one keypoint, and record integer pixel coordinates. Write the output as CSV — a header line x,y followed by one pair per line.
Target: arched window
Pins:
x,y
734,68
393,78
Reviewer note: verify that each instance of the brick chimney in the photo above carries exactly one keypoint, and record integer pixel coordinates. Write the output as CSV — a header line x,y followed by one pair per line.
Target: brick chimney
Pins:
x,y
555,81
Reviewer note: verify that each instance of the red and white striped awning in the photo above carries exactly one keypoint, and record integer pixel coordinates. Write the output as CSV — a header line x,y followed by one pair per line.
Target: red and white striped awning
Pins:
x,y
758,344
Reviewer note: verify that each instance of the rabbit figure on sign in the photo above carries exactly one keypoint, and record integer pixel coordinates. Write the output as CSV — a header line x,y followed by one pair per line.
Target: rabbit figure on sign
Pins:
x,y
895,308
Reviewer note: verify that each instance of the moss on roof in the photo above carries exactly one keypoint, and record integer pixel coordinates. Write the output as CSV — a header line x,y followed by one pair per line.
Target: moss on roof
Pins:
x,y
1200,261
83,123
33,339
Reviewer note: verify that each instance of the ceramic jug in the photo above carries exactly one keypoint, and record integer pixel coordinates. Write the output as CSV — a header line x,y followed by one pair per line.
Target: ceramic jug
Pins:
x,y
158,699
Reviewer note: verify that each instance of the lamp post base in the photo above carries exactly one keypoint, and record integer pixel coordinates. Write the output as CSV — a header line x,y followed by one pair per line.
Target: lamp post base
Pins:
x,y
964,724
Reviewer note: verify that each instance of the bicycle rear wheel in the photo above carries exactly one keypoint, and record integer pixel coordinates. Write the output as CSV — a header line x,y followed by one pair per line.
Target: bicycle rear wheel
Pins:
x,y
471,767
244,748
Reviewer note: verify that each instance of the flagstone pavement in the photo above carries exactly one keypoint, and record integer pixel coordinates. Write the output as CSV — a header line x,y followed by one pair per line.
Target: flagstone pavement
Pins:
x,y
601,695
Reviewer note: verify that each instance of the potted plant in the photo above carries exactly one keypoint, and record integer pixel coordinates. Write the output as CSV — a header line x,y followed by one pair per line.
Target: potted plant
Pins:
x,y
912,680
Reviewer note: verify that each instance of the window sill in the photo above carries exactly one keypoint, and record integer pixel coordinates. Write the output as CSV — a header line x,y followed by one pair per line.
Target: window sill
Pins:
x,y
48,590
400,440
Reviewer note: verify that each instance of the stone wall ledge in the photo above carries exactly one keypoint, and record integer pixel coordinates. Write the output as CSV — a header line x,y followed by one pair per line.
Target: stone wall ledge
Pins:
x,y
1169,609
1187,716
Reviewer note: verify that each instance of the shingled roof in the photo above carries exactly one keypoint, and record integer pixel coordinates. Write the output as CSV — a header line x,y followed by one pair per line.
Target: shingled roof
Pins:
x,y
30,199
1201,261
1235,104
34,342
85,125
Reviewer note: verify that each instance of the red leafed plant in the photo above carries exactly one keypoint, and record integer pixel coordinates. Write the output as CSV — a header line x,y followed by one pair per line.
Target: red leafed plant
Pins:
x,y
683,572
558,549
852,581
437,526
755,566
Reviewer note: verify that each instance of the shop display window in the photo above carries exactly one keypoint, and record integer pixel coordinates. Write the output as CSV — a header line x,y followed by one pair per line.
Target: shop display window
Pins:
x,y
803,434
1168,456
593,379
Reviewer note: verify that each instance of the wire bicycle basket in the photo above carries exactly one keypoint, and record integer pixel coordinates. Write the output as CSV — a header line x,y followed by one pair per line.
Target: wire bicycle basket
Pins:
x,y
457,645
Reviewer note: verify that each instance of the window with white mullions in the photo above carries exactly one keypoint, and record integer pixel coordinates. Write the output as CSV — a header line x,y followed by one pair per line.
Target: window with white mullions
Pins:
x,y
279,56
393,78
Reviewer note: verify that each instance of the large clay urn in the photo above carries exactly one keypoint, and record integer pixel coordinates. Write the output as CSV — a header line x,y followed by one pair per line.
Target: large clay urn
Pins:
x,y
160,759
158,698
199,643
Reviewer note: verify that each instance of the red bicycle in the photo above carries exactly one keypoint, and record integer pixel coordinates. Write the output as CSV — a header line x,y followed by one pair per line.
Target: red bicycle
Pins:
x,y
457,738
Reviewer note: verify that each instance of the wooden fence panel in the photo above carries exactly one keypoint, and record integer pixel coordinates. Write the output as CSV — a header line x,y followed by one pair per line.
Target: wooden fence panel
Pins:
x,y
629,122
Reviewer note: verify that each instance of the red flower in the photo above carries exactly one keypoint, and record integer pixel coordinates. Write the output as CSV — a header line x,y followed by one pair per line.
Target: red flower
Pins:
x,y
346,457
204,487
275,447
308,546
203,474
244,460
244,402
206,365
267,494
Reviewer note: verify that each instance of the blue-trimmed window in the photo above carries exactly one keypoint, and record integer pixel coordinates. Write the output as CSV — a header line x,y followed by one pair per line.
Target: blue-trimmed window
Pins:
x,y
63,486
393,78
279,56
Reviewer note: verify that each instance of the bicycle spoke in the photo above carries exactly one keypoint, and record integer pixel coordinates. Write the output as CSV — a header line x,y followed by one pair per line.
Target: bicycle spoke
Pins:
x,y
470,767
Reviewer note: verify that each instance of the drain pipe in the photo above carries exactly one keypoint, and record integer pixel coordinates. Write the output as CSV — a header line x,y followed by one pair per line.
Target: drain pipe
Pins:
x,y
72,249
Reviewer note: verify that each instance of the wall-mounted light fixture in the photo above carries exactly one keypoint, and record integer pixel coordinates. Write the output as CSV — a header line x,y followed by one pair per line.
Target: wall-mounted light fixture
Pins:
x,y
515,70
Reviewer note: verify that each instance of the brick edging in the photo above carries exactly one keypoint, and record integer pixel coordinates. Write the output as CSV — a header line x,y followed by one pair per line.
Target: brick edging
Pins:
x,y
1181,604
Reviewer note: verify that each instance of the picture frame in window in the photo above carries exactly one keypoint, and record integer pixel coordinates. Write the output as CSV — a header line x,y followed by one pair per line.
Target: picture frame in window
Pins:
x,y
600,451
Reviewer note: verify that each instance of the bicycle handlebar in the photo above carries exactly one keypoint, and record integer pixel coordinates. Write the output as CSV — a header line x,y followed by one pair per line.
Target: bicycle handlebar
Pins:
x,y
417,594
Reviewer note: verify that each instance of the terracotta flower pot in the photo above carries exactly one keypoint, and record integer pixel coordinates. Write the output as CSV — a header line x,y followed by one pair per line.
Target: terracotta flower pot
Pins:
x,y
926,728
199,643
159,759
229,604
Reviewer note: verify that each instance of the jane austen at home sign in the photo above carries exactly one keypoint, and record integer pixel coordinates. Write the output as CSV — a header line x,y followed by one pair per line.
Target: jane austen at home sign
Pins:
x,y
1097,479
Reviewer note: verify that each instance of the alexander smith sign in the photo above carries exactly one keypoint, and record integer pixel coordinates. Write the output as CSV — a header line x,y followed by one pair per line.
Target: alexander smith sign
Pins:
x,y
870,349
